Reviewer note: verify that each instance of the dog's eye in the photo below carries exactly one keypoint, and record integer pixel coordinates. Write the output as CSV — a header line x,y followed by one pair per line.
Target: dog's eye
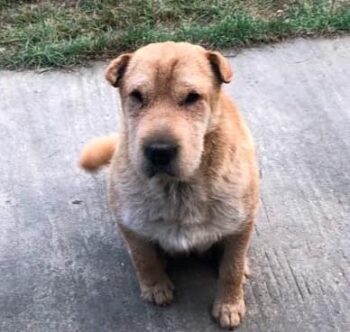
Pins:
x,y
191,98
137,98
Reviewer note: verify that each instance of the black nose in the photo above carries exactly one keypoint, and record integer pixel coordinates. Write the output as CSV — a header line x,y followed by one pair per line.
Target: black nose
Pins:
x,y
160,154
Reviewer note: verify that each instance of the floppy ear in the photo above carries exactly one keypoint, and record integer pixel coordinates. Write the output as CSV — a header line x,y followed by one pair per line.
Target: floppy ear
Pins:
x,y
220,65
116,69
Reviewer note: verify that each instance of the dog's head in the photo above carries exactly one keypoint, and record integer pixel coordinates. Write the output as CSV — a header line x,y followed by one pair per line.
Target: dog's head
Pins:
x,y
169,93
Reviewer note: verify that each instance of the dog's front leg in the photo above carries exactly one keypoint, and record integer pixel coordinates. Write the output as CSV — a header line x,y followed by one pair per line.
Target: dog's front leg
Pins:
x,y
229,306
155,285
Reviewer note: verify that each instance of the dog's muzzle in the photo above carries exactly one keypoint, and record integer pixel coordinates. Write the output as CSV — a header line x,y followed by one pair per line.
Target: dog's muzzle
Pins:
x,y
160,158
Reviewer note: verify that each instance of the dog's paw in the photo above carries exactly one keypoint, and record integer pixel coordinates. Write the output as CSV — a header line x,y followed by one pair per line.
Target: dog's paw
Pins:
x,y
229,315
160,293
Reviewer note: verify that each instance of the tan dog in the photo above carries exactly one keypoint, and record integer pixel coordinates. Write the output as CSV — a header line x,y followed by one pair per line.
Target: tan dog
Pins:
x,y
184,175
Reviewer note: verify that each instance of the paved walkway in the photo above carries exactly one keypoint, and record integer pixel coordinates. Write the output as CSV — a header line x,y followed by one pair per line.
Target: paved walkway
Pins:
x,y
62,263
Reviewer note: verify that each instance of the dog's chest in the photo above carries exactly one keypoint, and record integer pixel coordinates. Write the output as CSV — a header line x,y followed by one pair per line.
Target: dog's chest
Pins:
x,y
180,216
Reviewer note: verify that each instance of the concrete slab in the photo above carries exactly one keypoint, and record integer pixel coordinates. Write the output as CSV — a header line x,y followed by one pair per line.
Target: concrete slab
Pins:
x,y
62,263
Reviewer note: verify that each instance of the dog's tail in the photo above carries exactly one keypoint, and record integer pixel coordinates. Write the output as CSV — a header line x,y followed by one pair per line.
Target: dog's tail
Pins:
x,y
98,152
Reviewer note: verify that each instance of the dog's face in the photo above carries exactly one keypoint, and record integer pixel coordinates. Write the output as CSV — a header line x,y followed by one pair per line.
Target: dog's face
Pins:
x,y
169,93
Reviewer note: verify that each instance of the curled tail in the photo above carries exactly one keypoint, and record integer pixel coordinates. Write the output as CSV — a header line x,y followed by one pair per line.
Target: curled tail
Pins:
x,y
98,152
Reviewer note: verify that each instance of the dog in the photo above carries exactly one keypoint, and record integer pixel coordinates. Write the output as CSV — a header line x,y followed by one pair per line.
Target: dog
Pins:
x,y
183,174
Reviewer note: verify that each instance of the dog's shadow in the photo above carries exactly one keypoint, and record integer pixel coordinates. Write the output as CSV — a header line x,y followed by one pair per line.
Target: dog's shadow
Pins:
x,y
195,279
195,275
114,302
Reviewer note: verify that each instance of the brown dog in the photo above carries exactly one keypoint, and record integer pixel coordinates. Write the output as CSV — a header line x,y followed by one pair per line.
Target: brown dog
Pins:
x,y
184,175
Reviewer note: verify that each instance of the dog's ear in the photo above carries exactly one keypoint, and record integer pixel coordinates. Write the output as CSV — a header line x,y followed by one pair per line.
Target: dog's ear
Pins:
x,y
116,69
221,66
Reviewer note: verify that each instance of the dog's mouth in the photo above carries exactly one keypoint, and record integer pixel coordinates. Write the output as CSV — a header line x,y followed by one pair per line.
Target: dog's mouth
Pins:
x,y
160,171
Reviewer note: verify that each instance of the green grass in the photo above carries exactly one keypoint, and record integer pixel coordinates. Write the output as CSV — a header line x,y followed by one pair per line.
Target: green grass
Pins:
x,y
50,33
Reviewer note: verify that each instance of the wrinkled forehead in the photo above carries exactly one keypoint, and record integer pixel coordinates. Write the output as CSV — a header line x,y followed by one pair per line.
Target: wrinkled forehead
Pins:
x,y
167,64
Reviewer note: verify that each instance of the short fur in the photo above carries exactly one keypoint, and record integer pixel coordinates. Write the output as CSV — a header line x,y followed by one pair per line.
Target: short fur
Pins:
x,y
212,196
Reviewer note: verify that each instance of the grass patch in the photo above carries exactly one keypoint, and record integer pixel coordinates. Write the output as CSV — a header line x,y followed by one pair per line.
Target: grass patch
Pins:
x,y
48,33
